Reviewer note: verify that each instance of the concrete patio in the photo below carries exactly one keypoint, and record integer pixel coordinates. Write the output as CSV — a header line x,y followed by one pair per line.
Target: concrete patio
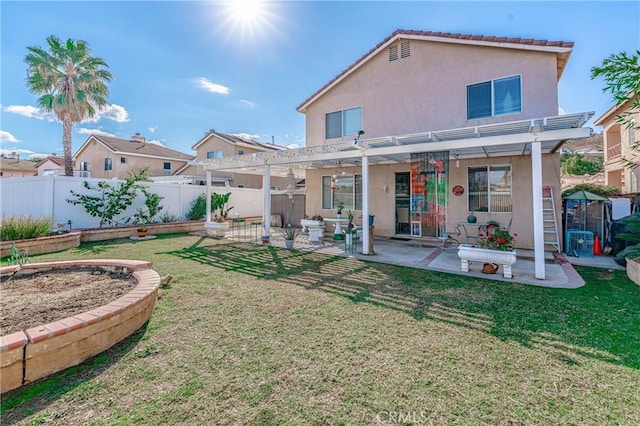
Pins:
x,y
425,254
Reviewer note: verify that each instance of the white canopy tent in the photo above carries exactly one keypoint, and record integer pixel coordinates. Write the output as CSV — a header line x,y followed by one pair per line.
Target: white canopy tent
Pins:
x,y
526,137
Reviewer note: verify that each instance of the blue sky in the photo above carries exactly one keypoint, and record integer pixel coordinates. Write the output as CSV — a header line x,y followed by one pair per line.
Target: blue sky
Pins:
x,y
181,68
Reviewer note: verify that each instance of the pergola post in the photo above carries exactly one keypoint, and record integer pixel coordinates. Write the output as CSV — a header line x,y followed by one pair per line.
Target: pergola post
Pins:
x,y
208,201
538,217
365,204
266,191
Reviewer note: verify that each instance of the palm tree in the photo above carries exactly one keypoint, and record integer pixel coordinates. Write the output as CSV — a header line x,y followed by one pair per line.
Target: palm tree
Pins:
x,y
71,83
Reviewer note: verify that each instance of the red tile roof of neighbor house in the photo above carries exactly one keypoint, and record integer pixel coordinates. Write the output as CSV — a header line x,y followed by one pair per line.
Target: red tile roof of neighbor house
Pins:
x,y
141,148
397,34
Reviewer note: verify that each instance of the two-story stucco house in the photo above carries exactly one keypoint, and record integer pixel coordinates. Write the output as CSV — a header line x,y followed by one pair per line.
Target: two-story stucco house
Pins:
x,y
108,157
619,151
218,145
427,127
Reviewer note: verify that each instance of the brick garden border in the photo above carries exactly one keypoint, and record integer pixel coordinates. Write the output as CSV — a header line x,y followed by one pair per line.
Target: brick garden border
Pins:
x,y
29,355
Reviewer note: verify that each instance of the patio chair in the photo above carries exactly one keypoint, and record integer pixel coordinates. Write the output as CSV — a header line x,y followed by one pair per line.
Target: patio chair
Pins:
x,y
450,237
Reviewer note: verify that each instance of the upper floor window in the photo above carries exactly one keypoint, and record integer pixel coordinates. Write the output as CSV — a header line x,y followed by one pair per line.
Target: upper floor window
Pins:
x,y
490,189
343,123
108,164
241,152
167,166
123,160
495,97
214,154
84,166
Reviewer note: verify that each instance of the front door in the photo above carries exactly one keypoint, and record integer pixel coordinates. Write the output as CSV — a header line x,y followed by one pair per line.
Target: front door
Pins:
x,y
429,193
402,203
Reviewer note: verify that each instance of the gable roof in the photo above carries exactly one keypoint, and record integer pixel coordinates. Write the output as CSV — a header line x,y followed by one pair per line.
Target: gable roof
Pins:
x,y
137,148
17,165
54,159
561,48
235,140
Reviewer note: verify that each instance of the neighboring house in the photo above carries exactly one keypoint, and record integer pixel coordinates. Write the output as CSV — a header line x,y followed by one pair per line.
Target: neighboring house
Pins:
x,y
13,166
427,127
109,157
619,153
217,145
54,165
569,181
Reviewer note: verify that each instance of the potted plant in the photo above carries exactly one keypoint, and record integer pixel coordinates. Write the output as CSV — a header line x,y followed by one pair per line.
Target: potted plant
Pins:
x,y
339,212
144,216
289,234
495,249
350,225
220,208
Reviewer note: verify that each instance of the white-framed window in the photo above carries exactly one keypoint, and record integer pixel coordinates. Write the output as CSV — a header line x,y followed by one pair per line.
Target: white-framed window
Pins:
x,y
123,160
490,189
345,188
84,166
214,154
108,164
494,97
346,122
166,166
241,152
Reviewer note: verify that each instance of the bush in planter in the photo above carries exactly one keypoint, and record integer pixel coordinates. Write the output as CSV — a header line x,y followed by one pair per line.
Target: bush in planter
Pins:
x,y
198,210
24,227
632,237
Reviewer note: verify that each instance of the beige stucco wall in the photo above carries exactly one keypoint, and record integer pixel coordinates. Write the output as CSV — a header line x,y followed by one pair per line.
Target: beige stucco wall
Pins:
x,y
236,179
427,90
382,203
95,153
616,174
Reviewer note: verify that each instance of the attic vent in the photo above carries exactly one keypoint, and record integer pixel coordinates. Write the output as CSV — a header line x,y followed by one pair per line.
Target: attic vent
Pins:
x,y
393,53
405,49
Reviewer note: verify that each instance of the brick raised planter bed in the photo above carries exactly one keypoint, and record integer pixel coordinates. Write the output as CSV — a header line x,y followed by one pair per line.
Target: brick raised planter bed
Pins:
x,y
633,270
101,234
29,355
43,244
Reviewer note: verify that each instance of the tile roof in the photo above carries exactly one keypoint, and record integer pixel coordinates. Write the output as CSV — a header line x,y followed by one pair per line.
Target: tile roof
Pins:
x,y
234,140
141,148
54,159
447,37
14,164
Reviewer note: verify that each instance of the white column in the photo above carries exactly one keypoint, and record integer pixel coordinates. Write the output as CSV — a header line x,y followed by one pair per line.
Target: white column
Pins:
x,y
538,219
266,207
208,202
365,204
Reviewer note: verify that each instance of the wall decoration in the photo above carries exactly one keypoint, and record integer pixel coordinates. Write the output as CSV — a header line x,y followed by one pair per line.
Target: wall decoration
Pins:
x,y
458,190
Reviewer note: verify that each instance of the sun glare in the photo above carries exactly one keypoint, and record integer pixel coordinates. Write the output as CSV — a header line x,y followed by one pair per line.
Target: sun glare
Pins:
x,y
247,12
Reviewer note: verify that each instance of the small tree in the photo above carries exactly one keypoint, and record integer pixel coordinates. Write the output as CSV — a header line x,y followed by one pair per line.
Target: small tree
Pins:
x,y
111,200
602,190
152,207
578,164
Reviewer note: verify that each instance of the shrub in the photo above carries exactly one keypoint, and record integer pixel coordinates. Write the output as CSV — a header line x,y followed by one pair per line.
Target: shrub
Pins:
x,y
24,227
198,209
602,190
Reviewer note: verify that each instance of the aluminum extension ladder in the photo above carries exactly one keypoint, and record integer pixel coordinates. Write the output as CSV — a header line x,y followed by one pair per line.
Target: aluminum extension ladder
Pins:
x,y
550,222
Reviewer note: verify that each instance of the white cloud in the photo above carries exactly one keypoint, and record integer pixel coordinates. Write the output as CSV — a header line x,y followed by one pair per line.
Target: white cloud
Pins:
x,y
210,86
560,110
7,137
23,152
155,142
293,146
112,112
247,103
31,112
246,136
85,131
152,129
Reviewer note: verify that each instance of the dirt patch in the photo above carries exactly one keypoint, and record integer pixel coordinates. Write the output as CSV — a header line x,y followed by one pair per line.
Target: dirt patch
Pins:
x,y
32,300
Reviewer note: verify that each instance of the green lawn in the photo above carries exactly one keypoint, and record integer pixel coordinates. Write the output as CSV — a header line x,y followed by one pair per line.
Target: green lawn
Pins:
x,y
250,334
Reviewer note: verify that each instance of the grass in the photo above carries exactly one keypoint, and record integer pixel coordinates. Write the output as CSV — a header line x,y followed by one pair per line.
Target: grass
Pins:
x,y
251,334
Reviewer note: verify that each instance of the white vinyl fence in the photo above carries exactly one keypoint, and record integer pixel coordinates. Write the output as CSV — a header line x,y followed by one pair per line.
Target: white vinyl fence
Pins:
x,y
47,196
